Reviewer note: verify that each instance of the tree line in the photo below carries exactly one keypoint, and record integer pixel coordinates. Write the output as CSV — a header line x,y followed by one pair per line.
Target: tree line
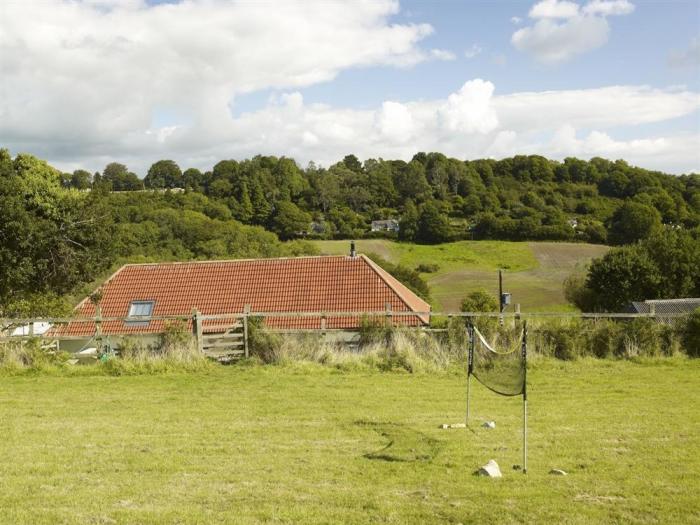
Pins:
x,y
435,198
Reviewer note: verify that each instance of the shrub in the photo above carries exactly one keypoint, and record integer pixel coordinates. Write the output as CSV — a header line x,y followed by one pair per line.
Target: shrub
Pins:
x,y
261,343
559,340
603,338
427,268
690,334
639,337
374,330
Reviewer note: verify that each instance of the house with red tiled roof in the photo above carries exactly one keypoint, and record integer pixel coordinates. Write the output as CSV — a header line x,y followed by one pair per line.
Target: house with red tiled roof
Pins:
x,y
299,285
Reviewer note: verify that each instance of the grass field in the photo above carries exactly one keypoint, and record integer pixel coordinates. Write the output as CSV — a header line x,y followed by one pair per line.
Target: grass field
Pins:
x,y
534,271
307,444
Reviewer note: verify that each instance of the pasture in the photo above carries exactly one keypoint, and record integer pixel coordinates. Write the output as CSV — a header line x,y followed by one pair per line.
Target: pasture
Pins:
x,y
303,443
534,271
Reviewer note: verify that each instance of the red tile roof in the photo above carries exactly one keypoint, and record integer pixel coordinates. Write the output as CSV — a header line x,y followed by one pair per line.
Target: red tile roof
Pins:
x,y
304,284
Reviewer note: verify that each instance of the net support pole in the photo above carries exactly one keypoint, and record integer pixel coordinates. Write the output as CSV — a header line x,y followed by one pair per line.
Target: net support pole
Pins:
x,y
524,397
470,355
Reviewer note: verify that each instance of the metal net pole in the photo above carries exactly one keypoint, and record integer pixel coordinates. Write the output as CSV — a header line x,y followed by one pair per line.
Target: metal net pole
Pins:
x,y
470,356
525,397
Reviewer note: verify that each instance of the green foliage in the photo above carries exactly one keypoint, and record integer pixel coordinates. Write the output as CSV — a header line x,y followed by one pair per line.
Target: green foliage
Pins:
x,y
691,334
117,177
53,238
166,174
433,226
289,221
427,268
409,278
633,222
621,276
262,344
479,301
665,265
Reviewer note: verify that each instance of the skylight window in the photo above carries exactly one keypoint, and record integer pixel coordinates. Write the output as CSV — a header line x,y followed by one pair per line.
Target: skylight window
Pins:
x,y
138,310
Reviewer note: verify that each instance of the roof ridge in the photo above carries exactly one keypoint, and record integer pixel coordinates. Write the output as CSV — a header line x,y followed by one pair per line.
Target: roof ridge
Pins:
x,y
216,261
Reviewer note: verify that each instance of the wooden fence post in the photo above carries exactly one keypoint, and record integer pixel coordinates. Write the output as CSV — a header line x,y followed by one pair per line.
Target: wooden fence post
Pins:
x,y
246,312
388,314
197,329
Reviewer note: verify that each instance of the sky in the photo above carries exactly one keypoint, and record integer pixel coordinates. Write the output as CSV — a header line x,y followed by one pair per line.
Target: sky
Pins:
x,y
85,83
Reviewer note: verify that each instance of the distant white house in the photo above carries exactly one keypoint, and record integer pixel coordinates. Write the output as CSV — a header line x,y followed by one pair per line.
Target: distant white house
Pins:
x,y
573,222
386,225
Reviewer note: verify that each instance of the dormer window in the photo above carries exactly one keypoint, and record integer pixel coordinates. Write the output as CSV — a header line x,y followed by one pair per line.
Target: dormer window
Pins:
x,y
139,311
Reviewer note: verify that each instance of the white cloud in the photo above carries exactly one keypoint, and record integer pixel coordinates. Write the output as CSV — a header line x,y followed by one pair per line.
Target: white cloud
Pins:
x,y
554,9
689,57
516,20
395,122
563,30
550,41
442,54
95,73
473,122
469,110
608,7
473,51
607,107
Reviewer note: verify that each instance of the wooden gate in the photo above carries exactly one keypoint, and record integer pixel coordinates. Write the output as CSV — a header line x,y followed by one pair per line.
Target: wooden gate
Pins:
x,y
222,339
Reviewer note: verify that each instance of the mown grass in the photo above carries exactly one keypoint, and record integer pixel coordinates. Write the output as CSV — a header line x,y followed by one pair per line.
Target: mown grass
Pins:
x,y
534,271
302,443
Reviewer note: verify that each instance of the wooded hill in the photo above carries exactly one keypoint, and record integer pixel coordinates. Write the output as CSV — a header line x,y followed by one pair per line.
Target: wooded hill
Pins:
x,y
435,197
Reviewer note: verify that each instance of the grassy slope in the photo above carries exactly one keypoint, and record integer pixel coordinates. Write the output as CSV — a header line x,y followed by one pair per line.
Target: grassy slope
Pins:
x,y
304,445
534,271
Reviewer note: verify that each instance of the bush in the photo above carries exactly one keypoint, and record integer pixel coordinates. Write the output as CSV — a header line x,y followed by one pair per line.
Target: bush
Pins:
x,y
374,330
690,334
427,268
639,337
262,344
603,338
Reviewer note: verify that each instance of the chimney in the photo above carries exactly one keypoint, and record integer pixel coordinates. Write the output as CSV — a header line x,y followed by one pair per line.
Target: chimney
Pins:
x,y
353,253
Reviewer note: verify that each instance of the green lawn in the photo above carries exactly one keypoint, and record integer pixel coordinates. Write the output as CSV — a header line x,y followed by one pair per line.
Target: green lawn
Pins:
x,y
312,445
534,271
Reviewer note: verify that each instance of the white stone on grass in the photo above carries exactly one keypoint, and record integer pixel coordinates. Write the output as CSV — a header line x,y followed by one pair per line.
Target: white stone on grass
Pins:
x,y
491,469
557,472
489,424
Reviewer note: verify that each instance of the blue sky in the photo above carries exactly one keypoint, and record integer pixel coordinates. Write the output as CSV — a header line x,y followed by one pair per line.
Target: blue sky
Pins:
x,y
88,82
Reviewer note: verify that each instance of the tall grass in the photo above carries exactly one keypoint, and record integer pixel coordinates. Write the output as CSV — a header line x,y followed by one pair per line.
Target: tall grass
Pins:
x,y
175,351
386,348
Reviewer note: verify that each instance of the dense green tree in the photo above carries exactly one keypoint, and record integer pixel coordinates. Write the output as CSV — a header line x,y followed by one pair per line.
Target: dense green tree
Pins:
x,y
408,225
164,174
479,301
676,254
80,179
621,276
117,177
632,222
53,238
288,221
433,226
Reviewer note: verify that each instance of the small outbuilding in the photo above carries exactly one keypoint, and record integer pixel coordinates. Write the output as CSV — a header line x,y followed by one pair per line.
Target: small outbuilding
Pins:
x,y
300,285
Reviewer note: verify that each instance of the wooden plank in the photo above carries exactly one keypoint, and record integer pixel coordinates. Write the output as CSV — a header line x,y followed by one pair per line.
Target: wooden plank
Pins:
x,y
223,345
210,340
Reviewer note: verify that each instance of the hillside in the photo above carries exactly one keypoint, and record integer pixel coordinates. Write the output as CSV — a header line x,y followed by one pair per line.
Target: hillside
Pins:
x,y
534,271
